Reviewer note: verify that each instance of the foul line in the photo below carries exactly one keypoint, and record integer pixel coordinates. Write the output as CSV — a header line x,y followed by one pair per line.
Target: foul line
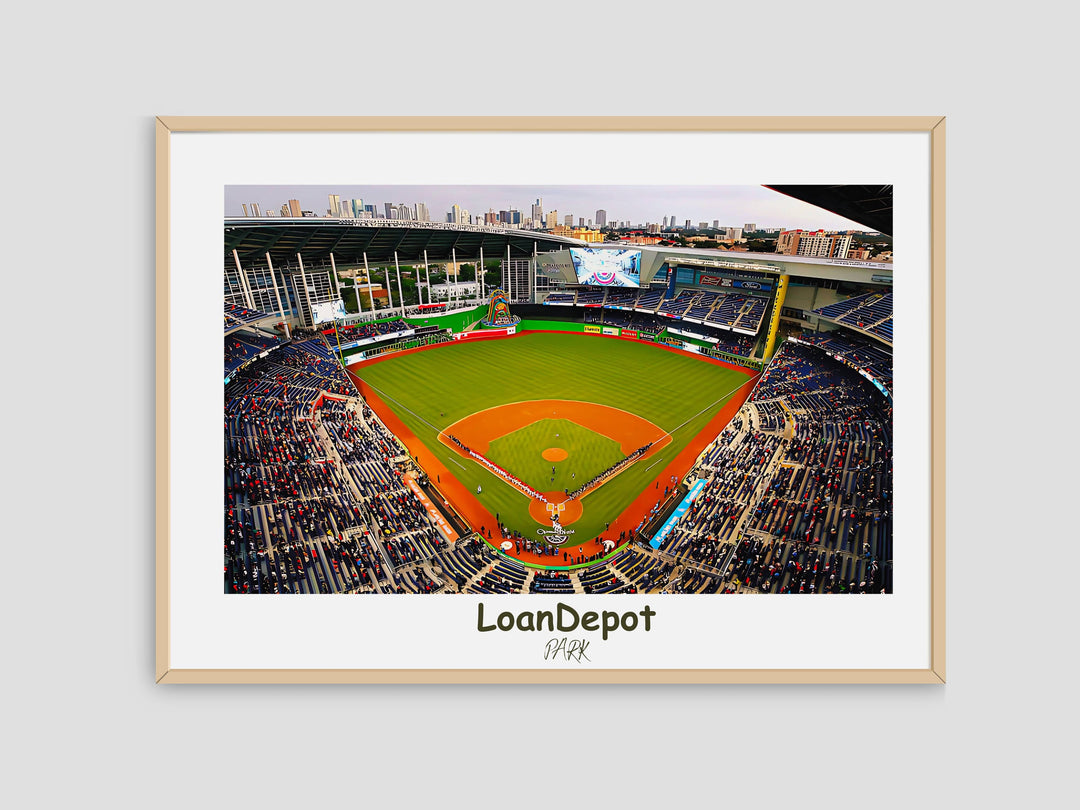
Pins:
x,y
438,432
653,464
384,395
723,398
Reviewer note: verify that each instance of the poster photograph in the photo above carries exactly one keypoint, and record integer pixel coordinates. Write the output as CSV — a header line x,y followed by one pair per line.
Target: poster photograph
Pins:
x,y
542,400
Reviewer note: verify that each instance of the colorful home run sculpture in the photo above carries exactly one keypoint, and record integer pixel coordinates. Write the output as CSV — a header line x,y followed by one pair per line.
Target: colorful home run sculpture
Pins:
x,y
499,311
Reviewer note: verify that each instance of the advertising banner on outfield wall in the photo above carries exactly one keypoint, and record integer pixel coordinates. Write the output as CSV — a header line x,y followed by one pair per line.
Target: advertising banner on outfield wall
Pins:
x,y
611,330
486,333
630,333
593,329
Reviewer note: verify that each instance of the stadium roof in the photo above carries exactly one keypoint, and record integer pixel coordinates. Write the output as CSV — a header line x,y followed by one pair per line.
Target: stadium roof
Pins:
x,y
350,239
868,205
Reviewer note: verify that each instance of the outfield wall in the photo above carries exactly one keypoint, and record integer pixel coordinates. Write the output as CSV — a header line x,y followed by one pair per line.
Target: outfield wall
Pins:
x,y
457,321
665,339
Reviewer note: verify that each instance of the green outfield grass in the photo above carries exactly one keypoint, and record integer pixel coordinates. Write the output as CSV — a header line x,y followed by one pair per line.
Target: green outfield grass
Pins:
x,y
431,390
588,454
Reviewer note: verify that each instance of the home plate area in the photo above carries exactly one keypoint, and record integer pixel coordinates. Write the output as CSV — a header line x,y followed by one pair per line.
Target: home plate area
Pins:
x,y
555,451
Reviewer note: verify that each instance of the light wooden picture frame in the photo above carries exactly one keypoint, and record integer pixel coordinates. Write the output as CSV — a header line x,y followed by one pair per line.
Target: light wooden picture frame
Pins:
x,y
173,381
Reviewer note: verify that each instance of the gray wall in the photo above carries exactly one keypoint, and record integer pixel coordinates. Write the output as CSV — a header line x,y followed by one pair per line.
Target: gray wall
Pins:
x,y
83,718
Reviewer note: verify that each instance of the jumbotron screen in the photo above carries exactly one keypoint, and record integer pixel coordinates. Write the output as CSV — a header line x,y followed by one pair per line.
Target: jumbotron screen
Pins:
x,y
328,311
607,268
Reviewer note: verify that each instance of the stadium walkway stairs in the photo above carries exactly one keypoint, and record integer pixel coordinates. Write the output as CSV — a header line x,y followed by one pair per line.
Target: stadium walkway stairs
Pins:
x,y
529,577
575,581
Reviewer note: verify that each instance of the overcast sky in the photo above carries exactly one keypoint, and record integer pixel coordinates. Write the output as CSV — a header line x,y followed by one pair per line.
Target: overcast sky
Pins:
x,y
731,205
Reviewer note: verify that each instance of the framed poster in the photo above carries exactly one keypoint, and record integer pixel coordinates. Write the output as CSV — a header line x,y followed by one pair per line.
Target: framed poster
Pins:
x,y
551,400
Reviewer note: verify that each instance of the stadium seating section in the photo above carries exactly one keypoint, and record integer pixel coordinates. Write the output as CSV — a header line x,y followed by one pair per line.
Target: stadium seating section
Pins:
x,y
856,350
872,312
723,310
240,316
242,346
800,488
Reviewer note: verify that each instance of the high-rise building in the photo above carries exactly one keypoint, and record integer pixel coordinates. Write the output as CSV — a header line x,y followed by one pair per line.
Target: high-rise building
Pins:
x,y
246,212
818,244
601,218
285,210
568,220
389,210
716,223
422,214
538,211
581,222
733,233
665,223
702,225
552,219
671,222
357,208
294,209
750,226
687,226
335,205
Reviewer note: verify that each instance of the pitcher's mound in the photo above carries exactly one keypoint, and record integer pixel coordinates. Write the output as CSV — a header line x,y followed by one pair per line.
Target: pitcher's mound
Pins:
x,y
554,454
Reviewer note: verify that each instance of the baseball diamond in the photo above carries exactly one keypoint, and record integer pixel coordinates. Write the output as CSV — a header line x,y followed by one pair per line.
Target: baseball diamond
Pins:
x,y
601,427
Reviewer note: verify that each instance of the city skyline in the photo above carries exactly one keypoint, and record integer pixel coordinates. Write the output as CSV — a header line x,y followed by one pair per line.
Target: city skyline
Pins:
x,y
730,206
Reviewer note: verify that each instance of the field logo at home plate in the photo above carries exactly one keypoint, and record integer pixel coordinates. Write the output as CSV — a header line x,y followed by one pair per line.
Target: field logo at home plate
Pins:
x,y
557,534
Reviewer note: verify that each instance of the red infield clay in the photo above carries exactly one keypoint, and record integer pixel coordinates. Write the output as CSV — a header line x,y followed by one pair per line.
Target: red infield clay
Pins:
x,y
554,454
571,510
478,430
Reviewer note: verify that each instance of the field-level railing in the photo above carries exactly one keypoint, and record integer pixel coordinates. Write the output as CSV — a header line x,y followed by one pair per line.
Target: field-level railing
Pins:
x,y
408,343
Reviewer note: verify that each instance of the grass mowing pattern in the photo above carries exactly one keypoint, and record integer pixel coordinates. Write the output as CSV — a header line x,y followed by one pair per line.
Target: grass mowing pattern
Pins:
x,y
430,390
588,454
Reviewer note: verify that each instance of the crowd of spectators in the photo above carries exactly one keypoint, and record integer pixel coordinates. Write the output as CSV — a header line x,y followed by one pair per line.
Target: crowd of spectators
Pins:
x,y
314,501
358,331
803,503
238,316
722,339
614,469
242,346
858,351
652,310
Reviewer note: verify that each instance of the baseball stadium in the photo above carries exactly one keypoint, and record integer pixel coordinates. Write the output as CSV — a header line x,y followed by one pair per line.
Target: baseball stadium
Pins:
x,y
553,416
